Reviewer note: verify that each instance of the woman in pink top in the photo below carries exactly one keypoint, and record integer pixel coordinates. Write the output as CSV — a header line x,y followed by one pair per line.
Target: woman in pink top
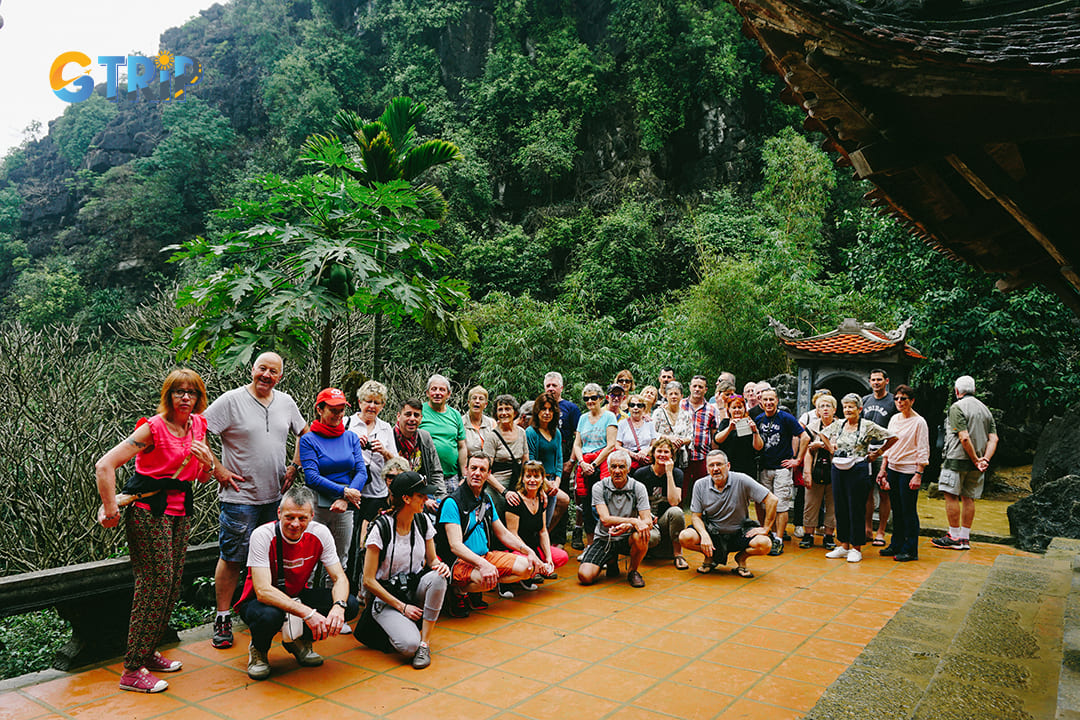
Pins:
x,y
170,453
901,474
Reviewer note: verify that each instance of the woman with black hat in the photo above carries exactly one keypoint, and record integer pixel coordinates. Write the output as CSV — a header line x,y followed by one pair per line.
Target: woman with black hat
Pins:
x,y
404,579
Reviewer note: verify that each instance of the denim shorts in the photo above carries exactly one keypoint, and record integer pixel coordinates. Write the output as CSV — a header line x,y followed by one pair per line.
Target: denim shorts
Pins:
x,y
237,522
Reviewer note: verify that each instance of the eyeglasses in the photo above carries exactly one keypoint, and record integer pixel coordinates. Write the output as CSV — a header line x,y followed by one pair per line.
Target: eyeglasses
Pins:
x,y
188,393
623,381
593,397
636,405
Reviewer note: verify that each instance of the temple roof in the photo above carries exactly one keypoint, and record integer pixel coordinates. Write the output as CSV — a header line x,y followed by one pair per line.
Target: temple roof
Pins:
x,y
965,114
851,340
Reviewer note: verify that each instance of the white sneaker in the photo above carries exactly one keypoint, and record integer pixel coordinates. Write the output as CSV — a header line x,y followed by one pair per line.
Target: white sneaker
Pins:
x,y
854,555
837,552
799,532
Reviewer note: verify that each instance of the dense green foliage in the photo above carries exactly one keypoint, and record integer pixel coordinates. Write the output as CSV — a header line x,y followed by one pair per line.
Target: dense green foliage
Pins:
x,y
630,193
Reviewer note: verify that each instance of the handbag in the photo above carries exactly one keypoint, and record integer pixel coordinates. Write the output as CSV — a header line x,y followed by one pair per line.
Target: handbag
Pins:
x,y
503,465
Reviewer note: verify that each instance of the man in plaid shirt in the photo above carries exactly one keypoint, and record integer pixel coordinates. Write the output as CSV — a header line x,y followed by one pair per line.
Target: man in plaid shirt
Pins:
x,y
705,421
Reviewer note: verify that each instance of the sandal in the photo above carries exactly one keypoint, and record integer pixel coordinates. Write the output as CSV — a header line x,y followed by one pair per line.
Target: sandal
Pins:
x,y
879,541
706,568
742,572
680,563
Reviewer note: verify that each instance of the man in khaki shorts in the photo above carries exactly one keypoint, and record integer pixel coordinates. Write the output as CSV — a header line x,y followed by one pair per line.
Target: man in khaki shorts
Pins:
x,y
970,441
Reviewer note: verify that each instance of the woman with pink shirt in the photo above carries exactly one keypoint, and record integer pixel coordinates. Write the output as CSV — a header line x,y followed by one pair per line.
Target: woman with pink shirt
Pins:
x,y
170,454
901,474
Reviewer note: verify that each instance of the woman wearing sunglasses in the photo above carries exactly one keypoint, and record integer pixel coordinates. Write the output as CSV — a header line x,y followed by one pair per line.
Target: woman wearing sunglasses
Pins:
x,y
593,442
635,434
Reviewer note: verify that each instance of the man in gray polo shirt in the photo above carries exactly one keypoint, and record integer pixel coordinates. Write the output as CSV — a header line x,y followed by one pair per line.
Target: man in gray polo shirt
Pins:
x,y
720,524
623,527
253,422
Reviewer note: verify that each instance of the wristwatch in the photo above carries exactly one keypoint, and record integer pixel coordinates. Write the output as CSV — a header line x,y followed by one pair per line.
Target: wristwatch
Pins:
x,y
342,604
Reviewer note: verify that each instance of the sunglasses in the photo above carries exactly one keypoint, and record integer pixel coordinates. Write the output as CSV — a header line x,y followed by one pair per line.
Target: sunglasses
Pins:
x,y
593,397
636,405
624,381
901,397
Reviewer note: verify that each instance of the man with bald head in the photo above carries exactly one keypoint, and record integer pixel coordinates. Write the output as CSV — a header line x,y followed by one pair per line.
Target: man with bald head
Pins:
x,y
253,422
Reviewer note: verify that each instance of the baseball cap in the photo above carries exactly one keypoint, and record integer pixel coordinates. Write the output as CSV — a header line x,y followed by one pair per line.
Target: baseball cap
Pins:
x,y
410,482
332,397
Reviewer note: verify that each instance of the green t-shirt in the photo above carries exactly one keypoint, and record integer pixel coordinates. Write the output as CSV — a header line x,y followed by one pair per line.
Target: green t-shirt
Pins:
x,y
446,429
969,414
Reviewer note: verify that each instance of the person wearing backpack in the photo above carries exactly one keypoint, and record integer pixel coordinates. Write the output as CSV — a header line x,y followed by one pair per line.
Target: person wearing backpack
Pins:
x,y
817,475
466,530
404,579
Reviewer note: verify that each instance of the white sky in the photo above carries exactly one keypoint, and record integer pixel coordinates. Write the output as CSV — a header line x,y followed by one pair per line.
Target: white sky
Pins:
x,y
36,31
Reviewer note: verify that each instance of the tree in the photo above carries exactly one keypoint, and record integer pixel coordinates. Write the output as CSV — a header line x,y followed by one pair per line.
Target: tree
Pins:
x,y
381,151
313,248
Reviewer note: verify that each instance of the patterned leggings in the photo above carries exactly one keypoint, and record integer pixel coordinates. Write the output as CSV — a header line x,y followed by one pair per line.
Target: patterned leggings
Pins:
x,y
158,547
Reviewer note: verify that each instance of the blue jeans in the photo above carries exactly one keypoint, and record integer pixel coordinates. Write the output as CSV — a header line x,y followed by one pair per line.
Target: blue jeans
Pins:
x,y
236,523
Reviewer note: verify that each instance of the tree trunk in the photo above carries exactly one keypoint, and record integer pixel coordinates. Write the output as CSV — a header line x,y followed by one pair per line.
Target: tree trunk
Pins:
x,y
327,351
376,348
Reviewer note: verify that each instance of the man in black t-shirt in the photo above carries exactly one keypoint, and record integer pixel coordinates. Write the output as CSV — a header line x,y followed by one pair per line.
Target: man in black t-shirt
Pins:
x,y
878,407
663,481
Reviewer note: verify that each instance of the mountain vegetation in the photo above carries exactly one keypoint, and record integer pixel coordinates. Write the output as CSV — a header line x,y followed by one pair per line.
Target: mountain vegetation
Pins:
x,y
628,191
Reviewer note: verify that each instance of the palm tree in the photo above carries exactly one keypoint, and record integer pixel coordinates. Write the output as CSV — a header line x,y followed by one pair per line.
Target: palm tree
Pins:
x,y
378,152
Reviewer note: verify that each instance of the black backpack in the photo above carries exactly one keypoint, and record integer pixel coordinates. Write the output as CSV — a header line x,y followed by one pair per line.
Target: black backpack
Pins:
x,y
367,630
467,504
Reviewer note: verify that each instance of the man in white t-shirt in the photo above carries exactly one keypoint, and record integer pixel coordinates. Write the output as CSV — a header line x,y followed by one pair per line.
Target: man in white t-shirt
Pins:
x,y
281,558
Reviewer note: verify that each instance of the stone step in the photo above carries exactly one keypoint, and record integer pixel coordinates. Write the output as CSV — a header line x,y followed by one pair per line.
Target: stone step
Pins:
x,y
887,680
972,642
1068,700
1005,659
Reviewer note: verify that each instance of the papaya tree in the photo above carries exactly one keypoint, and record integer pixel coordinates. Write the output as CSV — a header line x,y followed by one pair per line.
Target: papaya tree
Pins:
x,y
308,251
377,152
357,233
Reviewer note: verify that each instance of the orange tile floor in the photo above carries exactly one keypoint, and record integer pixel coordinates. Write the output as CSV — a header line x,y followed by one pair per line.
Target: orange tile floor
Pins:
x,y
686,646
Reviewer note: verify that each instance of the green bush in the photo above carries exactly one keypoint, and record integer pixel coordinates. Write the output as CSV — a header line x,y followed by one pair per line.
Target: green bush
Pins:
x,y
28,642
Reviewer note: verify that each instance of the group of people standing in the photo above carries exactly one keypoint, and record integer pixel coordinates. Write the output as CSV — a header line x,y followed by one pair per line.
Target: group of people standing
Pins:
x,y
402,520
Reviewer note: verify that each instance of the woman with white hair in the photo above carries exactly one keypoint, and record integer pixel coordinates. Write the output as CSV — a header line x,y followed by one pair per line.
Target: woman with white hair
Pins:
x,y
377,440
849,443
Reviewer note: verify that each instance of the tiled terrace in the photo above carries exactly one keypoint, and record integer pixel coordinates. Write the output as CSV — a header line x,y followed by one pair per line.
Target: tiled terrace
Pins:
x,y
686,646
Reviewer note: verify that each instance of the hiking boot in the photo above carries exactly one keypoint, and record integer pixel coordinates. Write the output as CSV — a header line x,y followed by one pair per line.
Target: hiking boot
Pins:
x,y
807,541
223,637
301,650
777,547
577,540
829,543
258,666
459,605
477,601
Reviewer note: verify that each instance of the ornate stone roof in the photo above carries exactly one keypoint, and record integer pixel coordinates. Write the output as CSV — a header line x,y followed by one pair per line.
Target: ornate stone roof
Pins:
x,y
851,340
965,115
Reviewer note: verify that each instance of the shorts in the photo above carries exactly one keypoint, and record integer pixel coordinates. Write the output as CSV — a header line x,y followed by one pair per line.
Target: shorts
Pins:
x,y
779,483
968,483
235,525
503,562
604,549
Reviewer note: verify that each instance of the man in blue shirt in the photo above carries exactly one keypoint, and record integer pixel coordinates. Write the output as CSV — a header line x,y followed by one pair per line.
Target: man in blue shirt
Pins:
x,y
466,518
785,444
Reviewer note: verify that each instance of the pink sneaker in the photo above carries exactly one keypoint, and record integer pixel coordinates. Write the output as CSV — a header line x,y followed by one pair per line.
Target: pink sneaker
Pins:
x,y
141,681
159,663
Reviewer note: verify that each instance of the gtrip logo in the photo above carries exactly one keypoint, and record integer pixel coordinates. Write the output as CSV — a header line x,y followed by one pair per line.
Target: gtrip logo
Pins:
x,y
174,76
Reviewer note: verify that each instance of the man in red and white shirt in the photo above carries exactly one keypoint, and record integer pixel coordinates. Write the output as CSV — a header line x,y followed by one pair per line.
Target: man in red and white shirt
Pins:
x,y
316,613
